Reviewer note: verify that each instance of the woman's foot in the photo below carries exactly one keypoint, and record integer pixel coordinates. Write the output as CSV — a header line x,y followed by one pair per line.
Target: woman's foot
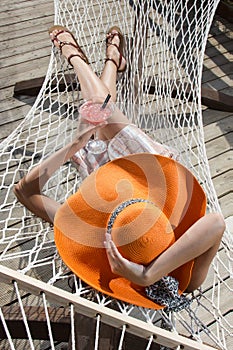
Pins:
x,y
64,40
115,45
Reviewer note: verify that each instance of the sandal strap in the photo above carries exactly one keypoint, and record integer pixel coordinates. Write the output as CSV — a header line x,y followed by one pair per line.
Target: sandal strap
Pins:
x,y
120,59
75,55
114,45
57,40
76,46
112,60
109,43
109,39
63,43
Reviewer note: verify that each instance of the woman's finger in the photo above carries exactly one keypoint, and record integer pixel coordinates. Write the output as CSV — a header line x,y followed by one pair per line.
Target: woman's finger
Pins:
x,y
114,250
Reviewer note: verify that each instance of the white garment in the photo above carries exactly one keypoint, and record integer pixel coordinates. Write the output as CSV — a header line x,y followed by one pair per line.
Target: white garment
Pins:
x,y
129,140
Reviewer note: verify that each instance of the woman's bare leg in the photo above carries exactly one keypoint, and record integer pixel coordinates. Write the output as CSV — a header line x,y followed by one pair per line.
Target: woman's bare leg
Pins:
x,y
109,78
109,74
91,85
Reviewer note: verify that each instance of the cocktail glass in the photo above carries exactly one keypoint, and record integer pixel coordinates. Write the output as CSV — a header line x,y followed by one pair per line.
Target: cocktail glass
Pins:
x,y
94,112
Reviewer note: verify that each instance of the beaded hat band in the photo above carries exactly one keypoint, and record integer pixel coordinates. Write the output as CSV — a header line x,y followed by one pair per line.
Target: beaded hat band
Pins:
x,y
120,208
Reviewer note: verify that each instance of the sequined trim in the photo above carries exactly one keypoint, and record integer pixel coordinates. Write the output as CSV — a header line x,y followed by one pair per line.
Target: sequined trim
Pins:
x,y
120,208
165,292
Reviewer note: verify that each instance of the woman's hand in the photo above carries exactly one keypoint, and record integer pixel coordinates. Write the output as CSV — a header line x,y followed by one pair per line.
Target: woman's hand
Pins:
x,y
85,131
123,267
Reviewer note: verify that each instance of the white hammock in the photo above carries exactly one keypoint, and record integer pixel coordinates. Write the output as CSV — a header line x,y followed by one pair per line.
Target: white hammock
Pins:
x,y
161,93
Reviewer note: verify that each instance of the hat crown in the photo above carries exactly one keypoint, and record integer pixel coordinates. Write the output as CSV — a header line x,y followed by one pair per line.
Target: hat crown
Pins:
x,y
141,231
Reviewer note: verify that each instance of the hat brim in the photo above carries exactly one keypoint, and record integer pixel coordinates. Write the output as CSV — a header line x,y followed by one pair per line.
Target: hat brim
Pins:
x,y
89,261
86,264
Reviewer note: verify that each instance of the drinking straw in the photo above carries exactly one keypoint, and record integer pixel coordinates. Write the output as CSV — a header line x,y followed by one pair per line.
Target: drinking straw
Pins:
x,y
106,101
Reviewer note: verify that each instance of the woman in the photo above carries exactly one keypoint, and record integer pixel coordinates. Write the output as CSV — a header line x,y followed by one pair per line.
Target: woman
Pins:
x,y
199,242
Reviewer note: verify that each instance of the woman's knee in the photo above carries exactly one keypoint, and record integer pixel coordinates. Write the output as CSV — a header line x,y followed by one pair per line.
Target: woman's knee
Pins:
x,y
218,224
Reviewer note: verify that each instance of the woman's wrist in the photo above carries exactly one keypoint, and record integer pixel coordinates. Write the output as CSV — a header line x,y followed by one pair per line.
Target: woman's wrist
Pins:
x,y
75,145
137,274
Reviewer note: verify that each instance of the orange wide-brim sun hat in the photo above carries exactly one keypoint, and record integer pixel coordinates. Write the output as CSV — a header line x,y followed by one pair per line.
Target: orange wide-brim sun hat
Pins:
x,y
146,202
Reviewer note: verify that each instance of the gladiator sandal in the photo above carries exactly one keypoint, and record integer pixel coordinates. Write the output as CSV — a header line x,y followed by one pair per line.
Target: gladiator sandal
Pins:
x,y
61,30
120,48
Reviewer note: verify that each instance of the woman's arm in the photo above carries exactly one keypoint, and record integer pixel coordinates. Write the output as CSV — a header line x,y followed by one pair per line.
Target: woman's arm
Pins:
x,y
200,242
29,189
136,273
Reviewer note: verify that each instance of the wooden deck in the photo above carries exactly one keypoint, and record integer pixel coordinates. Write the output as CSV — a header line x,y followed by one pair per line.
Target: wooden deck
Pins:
x,y
25,55
25,52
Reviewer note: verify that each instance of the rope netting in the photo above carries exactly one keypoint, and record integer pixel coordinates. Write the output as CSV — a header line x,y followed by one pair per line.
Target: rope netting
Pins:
x,y
160,92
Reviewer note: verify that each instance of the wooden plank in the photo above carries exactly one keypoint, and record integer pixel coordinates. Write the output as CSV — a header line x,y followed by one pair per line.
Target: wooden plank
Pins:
x,y
216,43
212,304
26,56
37,322
37,12
213,116
85,328
225,10
226,203
228,90
221,164
220,84
32,87
10,17
219,35
17,113
220,25
108,316
5,2
8,128
218,145
226,336
14,44
219,60
6,93
35,313
12,5
30,26
31,36
216,99
217,70
209,96
219,304
40,48
207,319
219,128
30,69
224,72
215,48
12,103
